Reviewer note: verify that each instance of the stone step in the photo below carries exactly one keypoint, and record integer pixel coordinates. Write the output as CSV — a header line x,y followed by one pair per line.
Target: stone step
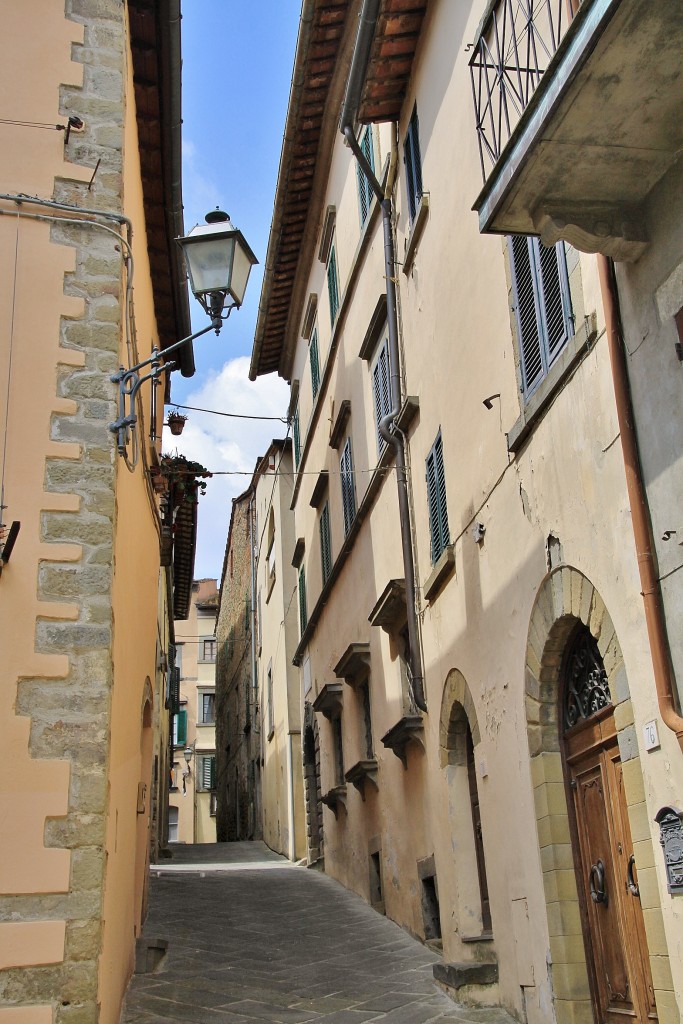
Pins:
x,y
458,975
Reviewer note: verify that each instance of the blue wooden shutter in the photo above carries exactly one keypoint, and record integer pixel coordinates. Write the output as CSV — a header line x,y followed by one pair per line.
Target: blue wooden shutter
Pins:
x,y
315,363
325,542
347,486
436,497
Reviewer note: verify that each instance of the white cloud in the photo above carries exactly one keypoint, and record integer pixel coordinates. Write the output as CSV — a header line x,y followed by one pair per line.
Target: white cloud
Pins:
x,y
201,193
221,443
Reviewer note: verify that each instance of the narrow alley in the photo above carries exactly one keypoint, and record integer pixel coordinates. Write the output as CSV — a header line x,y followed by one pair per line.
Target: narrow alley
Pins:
x,y
253,938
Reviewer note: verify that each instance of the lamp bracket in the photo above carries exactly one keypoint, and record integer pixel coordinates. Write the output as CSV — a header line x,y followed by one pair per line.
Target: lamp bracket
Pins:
x,y
130,381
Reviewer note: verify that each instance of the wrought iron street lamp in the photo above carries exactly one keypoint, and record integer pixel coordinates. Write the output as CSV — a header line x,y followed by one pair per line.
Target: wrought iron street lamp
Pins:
x,y
219,262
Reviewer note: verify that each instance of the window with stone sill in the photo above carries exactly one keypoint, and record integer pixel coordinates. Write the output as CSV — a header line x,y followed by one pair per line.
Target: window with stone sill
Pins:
x,y
206,773
436,499
207,649
365,193
541,302
333,284
207,708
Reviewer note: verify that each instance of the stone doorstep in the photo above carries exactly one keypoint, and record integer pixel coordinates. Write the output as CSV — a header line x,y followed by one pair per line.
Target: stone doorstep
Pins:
x,y
148,954
458,975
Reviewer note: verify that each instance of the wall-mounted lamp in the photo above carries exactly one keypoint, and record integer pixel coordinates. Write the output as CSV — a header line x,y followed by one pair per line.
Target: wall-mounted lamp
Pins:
x,y
218,261
188,753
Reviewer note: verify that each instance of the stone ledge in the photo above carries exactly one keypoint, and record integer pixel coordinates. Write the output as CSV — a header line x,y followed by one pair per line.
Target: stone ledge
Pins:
x,y
460,974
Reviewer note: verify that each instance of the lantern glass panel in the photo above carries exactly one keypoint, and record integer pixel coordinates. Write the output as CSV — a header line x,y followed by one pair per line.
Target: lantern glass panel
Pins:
x,y
210,263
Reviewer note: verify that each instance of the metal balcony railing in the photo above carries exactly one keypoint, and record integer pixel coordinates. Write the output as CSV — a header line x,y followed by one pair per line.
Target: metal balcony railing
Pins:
x,y
511,53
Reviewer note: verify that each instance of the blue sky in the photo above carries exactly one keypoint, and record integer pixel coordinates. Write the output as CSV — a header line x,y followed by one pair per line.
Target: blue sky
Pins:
x,y
237,66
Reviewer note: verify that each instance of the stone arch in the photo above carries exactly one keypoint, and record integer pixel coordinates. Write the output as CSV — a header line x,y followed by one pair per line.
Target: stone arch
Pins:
x,y
566,598
313,792
456,701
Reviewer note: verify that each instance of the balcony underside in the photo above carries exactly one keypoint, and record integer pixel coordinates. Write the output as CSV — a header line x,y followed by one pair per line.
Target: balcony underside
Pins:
x,y
602,128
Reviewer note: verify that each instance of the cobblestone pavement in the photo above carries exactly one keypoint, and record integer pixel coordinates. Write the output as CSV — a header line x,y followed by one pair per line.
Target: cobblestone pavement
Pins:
x,y
253,939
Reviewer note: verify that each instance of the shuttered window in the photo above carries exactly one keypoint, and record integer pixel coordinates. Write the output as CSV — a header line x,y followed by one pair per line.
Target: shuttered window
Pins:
x,y
174,689
207,708
180,729
296,430
365,193
436,497
206,772
413,162
381,389
333,284
315,363
303,612
542,305
348,486
325,542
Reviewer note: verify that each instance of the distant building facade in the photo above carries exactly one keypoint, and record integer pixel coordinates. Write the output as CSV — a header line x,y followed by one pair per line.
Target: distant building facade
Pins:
x,y
192,797
488,700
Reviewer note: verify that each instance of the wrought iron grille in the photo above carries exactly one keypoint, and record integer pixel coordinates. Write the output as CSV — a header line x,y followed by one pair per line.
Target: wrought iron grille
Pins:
x,y
511,54
586,689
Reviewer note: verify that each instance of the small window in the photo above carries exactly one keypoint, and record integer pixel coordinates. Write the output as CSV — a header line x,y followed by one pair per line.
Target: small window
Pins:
x,y
381,389
296,431
366,721
207,708
180,729
325,542
208,650
179,659
303,613
333,284
315,363
348,486
213,804
365,193
413,162
436,497
206,772
173,824
542,306
338,744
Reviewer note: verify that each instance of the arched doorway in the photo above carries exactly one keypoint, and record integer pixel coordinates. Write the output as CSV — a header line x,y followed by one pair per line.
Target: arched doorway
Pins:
x,y
314,807
458,736
613,926
586,770
144,803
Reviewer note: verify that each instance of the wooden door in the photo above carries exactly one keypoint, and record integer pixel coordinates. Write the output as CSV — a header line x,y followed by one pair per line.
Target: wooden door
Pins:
x,y
613,921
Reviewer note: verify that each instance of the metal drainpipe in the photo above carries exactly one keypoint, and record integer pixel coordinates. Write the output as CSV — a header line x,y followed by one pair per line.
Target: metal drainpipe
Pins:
x,y
393,437
640,513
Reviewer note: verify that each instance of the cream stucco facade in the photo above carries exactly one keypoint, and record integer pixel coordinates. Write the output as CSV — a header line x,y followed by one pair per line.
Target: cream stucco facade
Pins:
x,y
458,821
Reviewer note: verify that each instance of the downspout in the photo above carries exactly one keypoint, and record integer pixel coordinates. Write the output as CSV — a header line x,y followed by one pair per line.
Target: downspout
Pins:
x,y
640,513
387,429
252,699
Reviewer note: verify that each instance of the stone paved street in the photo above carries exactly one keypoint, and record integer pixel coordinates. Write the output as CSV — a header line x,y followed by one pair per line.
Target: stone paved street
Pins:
x,y
253,939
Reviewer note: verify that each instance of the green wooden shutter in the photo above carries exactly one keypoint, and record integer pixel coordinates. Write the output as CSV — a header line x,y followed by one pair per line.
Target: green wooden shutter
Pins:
x,y
325,542
365,193
303,612
436,497
348,487
174,696
297,439
315,363
333,285
413,162
181,728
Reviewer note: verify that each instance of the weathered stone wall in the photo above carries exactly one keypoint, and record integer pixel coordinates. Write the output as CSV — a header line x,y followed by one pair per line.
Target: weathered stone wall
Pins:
x,y
237,721
70,715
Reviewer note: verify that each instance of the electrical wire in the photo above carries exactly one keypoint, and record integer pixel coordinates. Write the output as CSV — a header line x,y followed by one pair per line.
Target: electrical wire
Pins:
x,y
231,415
